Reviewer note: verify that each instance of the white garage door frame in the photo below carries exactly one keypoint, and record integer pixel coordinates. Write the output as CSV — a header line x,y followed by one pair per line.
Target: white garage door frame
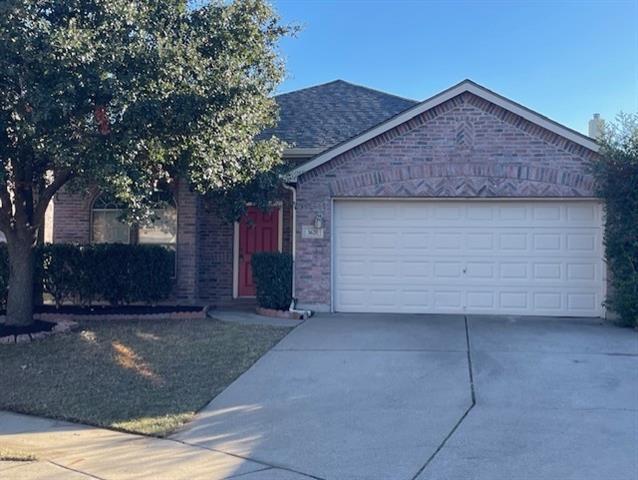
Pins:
x,y
333,228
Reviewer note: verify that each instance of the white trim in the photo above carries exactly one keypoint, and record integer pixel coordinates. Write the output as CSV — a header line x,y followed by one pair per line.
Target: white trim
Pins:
x,y
295,152
293,231
280,229
464,86
332,255
280,241
236,260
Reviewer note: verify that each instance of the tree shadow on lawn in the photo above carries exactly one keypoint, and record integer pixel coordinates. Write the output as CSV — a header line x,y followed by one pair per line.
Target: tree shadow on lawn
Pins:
x,y
146,376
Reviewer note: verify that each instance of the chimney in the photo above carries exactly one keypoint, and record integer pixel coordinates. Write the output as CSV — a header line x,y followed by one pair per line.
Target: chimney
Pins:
x,y
596,126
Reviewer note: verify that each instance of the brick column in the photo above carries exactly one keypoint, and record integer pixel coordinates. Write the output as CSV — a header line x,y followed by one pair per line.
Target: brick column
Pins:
x,y
187,207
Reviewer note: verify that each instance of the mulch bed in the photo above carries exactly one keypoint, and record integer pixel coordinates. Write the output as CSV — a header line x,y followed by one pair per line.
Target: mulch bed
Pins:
x,y
78,313
112,309
15,330
37,330
50,320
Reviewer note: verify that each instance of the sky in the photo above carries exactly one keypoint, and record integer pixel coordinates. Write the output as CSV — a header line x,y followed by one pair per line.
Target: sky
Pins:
x,y
563,59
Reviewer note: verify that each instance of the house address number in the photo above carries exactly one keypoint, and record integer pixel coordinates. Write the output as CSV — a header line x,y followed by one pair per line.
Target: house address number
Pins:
x,y
310,231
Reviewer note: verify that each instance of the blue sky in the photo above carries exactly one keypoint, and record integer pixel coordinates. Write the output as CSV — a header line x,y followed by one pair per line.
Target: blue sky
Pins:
x,y
564,59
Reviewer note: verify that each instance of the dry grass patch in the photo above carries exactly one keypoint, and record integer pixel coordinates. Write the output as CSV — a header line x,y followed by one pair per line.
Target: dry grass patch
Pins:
x,y
144,376
11,455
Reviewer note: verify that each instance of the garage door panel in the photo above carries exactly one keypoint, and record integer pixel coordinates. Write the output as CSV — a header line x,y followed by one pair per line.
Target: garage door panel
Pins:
x,y
548,301
416,300
481,300
479,241
528,257
479,270
448,300
582,213
416,269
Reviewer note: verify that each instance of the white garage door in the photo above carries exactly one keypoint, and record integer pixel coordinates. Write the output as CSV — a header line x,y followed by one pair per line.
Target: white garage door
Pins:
x,y
507,257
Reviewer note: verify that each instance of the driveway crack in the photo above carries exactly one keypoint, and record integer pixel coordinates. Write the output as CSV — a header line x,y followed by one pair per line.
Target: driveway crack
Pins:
x,y
266,464
466,413
70,469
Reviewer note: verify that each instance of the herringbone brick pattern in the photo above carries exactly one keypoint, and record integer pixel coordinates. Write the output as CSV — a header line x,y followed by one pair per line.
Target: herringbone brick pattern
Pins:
x,y
465,147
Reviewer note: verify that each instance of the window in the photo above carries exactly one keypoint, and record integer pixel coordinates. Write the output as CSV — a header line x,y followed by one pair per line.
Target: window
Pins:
x,y
163,230
108,228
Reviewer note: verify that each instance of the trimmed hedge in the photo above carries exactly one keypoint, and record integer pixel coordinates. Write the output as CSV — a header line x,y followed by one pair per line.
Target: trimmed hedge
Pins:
x,y
272,274
114,273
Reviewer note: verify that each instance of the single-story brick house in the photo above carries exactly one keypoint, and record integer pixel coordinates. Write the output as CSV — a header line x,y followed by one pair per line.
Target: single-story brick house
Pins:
x,y
465,202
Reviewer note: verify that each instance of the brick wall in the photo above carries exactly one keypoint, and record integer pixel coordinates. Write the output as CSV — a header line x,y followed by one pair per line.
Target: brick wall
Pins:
x,y
71,217
204,242
465,147
188,210
72,224
216,237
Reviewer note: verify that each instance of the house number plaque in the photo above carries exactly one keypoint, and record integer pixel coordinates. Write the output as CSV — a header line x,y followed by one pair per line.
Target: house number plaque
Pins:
x,y
310,231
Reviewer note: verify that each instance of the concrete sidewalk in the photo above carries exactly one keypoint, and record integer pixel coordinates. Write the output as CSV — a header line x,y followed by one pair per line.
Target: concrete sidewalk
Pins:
x,y
72,451
249,317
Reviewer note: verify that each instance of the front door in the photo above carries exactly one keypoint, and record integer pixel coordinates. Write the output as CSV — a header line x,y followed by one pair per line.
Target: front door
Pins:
x,y
258,232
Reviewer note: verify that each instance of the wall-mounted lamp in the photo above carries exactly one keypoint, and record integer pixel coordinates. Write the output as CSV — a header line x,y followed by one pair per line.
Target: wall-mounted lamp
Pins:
x,y
318,223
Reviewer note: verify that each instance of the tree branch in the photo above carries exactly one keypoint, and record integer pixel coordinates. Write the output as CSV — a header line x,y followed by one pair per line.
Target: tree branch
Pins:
x,y
5,208
47,194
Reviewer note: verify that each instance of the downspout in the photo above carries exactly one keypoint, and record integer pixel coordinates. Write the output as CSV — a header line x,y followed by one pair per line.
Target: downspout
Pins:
x,y
294,239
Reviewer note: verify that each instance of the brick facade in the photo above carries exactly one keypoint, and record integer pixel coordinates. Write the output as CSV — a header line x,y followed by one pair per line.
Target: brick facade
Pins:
x,y
465,147
204,273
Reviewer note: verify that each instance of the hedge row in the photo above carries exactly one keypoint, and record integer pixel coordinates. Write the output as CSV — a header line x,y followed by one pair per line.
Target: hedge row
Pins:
x,y
272,274
113,273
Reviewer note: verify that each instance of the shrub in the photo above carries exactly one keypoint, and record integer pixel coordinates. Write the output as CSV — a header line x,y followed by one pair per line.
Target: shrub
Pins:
x,y
130,273
272,274
115,273
61,266
616,175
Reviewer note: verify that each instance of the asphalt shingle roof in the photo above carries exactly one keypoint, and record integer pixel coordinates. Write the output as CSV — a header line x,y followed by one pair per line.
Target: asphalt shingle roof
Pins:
x,y
327,114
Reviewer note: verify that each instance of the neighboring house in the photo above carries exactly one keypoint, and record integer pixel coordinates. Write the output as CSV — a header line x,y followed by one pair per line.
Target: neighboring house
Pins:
x,y
466,202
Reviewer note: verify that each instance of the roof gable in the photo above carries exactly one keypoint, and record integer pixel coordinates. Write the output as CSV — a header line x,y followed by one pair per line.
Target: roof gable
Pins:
x,y
324,115
433,102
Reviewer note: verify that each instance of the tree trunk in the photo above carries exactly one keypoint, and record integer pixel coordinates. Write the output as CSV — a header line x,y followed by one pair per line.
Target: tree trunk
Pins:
x,y
21,273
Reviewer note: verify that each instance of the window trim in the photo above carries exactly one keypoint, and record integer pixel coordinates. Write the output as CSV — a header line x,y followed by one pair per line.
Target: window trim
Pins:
x,y
133,230
92,224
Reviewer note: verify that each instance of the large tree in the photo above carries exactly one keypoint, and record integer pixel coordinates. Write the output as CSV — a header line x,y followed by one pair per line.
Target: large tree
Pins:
x,y
127,95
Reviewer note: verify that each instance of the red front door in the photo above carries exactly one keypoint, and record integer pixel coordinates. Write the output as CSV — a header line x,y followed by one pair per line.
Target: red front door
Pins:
x,y
258,232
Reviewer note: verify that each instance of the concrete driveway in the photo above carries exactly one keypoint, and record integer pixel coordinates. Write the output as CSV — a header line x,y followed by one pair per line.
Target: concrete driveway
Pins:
x,y
434,397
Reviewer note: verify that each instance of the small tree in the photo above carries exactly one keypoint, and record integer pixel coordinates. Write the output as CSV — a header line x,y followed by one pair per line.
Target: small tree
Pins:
x,y
127,94
616,175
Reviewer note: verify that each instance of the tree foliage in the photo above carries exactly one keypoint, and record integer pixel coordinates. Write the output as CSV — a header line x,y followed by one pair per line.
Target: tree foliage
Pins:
x,y
128,95
262,190
616,175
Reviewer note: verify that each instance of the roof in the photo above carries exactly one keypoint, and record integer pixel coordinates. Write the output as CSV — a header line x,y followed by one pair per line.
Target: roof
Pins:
x,y
432,102
324,115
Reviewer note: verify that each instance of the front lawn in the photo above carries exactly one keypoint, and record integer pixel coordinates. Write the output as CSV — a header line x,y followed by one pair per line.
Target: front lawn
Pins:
x,y
145,376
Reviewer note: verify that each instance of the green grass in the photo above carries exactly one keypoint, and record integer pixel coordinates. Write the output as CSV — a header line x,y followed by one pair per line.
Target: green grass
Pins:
x,y
10,455
147,376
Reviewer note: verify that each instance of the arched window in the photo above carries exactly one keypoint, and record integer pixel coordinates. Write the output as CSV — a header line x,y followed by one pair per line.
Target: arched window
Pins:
x,y
107,227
